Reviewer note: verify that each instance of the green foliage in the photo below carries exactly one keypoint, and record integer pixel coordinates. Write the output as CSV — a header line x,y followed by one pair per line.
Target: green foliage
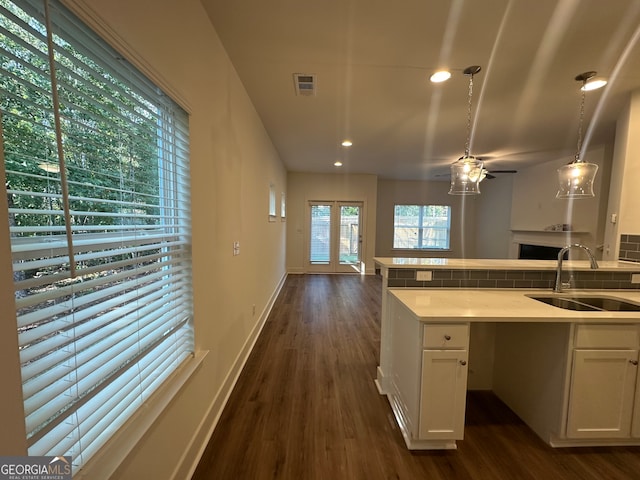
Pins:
x,y
421,226
109,133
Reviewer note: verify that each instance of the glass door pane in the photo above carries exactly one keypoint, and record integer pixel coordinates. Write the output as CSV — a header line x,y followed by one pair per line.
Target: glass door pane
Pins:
x,y
320,244
350,237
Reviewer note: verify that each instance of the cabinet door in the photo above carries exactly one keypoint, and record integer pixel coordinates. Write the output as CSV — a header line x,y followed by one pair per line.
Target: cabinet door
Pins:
x,y
635,425
602,393
443,394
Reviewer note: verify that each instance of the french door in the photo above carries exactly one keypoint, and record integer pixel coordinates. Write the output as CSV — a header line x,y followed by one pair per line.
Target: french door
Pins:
x,y
335,237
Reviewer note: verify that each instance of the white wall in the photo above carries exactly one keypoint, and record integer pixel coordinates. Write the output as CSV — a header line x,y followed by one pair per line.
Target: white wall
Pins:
x,y
624,201
305,187
494,217
535,206
232,163
463,216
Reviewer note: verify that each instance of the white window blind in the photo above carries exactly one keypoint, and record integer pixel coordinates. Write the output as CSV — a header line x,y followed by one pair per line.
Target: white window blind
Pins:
x,y
97,181
320,244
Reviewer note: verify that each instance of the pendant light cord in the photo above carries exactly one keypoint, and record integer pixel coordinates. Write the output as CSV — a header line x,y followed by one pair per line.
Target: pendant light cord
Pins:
x,y
467,144
580,121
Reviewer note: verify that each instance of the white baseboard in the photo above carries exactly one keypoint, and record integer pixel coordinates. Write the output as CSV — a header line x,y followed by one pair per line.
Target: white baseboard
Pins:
x,y
189,461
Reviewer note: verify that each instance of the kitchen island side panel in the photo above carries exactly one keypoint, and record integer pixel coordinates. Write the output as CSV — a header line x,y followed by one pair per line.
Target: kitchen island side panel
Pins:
x,y
530,371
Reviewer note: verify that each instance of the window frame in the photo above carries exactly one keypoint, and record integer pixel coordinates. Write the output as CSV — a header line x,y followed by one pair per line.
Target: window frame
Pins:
x,y
168,141
272,202
421,228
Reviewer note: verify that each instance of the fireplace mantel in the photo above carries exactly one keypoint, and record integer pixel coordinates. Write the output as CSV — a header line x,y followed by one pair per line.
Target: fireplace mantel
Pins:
x,y
545,238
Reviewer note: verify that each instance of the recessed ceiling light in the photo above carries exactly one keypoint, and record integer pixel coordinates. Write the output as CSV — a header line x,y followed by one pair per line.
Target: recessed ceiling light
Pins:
x,y
440,76
338,163
593,84
347,143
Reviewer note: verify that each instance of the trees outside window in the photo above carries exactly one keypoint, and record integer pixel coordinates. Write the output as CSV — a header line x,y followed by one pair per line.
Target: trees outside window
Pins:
x,y
421,227
97,182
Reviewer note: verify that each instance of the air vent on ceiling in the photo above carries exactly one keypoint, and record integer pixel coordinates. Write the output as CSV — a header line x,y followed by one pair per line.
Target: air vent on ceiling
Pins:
x,y
305,84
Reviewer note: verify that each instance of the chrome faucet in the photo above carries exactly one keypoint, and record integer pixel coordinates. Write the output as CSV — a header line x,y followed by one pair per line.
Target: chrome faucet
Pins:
x,y
559,285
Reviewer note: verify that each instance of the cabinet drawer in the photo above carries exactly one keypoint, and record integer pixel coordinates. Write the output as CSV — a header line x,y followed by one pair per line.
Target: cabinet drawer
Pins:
x,y
444,336
607,336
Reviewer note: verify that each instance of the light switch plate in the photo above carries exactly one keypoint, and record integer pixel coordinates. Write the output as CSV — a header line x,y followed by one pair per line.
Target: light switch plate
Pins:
x,y
424,275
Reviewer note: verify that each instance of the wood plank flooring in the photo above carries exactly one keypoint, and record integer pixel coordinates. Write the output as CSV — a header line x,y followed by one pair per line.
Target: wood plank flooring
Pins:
x,y
306,408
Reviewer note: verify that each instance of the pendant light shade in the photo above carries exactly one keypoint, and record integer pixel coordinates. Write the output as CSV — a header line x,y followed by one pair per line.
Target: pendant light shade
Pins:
x,y
467,171
466,174
575,180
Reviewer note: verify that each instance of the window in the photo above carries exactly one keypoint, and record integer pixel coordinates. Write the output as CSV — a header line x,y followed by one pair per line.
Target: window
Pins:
x,y
98,189
320,244
272,202
421,227
283,206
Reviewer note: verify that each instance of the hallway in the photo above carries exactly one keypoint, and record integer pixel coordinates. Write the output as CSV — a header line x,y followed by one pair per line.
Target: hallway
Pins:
x,y
306,408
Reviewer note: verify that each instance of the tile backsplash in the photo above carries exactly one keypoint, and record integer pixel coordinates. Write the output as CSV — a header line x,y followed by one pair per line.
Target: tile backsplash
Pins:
x,y
630,248
591,279
455,278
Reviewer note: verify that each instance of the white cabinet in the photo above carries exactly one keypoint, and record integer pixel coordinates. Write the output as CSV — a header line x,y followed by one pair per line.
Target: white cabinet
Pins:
x,y
603,383
443,386
426,378
635,424
602,393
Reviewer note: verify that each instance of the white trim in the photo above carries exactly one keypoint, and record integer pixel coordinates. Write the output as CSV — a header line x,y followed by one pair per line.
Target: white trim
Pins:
x,y
192,454
90,17
295,271
559,442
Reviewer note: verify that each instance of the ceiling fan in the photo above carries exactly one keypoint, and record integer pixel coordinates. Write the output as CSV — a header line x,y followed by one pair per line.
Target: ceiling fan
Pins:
x,y
488,174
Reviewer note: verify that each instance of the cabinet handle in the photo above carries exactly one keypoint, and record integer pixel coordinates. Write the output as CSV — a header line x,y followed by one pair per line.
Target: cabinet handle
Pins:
x,y
464,362
447,337
633,362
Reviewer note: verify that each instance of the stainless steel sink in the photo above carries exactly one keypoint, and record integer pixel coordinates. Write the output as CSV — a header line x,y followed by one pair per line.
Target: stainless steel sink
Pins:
x,y
588,303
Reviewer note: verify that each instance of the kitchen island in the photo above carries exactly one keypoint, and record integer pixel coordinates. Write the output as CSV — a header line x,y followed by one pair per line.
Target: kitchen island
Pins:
x,y
570,375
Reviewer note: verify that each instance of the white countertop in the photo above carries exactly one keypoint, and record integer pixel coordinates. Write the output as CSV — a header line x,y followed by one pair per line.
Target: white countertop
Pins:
x,y
500,264
506,305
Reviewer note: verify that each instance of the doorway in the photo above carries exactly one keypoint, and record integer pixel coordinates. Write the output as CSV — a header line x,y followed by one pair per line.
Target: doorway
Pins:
x,y
335,237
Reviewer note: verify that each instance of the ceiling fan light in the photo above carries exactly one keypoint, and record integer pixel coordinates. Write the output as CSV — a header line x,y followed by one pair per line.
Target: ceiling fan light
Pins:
x,y
466,175
576,179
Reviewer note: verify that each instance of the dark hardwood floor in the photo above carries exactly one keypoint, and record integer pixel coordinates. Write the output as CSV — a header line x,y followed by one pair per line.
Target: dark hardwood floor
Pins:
x,y
306,408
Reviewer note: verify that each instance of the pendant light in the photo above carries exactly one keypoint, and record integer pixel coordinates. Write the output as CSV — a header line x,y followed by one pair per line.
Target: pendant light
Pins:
x,y
576,179
467,171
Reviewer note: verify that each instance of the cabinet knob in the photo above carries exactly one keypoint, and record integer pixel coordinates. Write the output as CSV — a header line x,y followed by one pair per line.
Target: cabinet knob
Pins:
x,y
447,337
464,362
633,362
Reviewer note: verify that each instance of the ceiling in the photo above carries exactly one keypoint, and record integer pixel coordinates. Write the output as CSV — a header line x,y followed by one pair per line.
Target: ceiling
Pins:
x,y
373,58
